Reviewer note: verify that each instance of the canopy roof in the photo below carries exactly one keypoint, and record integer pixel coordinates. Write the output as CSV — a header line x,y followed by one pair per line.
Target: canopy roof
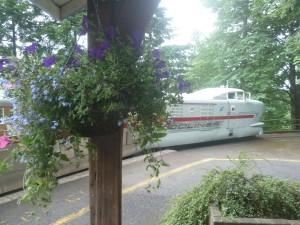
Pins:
x,y
126,15
60,9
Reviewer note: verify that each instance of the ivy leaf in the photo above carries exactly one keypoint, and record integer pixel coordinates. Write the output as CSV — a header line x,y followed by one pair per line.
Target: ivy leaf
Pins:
x,y
159,135
64,157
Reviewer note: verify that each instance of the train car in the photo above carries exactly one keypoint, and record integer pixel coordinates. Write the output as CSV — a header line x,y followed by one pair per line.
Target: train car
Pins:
x,y
206,115
213,114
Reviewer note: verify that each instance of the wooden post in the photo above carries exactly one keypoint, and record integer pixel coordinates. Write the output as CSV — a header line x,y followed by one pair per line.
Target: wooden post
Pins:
x,y
106,165
105,174
105,160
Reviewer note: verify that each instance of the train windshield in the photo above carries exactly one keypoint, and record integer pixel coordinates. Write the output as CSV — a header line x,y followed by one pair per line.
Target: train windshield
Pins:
x,y
238,95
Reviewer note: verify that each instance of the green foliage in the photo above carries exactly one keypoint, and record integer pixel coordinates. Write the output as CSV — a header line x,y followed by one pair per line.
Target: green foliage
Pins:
x,y
84,93
18,22
179,58
159,28
238,194
255,47
23,23
79,94
153,166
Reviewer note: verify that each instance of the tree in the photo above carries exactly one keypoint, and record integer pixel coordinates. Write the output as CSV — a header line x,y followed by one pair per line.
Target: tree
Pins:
x,y
159,29
24,23
254,48
125,80
179,57
19,23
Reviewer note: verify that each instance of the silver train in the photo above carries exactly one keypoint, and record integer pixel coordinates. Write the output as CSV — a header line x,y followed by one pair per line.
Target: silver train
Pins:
x,y
206,115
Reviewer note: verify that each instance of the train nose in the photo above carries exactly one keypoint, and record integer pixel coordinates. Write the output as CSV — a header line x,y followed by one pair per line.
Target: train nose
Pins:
x,y
261,108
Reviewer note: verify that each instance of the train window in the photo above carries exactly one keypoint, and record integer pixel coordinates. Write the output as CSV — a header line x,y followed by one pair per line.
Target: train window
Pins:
x,y
247,95
240,95
231,95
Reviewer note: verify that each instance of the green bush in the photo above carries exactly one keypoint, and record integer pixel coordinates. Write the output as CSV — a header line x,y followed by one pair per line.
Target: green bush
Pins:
x,y
238,194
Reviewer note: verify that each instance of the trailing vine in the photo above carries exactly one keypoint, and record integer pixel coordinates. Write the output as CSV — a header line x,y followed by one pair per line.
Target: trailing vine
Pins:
x,y
119,81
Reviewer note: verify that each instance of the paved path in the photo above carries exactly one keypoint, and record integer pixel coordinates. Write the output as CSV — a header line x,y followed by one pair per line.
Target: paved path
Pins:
x,y
187,166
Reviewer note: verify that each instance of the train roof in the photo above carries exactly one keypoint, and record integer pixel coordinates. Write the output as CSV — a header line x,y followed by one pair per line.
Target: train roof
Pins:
x,y
208,94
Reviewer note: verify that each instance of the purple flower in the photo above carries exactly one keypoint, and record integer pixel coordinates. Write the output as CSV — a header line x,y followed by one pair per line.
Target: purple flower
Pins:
x,y
161,75
11,67
156,53
180,78
43,119
78,50
33,88
136,38
8,85
31,48
165,74
62,71
24,121
55,125
59,98
66,104
74,63
99,54
183,85
47,62
84,25
10,63
3,61
110,32
104,45
92,52
168,123
160,64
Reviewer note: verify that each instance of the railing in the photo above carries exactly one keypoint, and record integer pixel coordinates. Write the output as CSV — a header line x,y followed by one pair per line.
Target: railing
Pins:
x,y
281,125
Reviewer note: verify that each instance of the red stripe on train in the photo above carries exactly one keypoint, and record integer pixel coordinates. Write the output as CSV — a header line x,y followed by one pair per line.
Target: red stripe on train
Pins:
x,y
186,119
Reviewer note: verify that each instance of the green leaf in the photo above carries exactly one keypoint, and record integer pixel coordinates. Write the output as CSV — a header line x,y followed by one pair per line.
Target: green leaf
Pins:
x,y
159,135
64,157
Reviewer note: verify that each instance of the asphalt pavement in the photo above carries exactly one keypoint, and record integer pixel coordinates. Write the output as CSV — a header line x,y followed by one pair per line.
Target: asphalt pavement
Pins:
x,y
277,155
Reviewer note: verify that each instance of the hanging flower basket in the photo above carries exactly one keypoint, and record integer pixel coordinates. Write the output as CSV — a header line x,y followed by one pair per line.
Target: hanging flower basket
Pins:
x,y
85,94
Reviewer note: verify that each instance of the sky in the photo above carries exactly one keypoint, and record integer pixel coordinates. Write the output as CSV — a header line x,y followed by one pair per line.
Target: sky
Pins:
x,y
188,16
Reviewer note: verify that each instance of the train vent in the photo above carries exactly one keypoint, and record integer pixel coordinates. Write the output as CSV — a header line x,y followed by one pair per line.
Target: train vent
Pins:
x,y
207,110
176,110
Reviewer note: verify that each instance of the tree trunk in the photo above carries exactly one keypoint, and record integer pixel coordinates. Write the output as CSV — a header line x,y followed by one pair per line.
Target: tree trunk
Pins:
x,y
105,174
14,39
295,107
295,98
